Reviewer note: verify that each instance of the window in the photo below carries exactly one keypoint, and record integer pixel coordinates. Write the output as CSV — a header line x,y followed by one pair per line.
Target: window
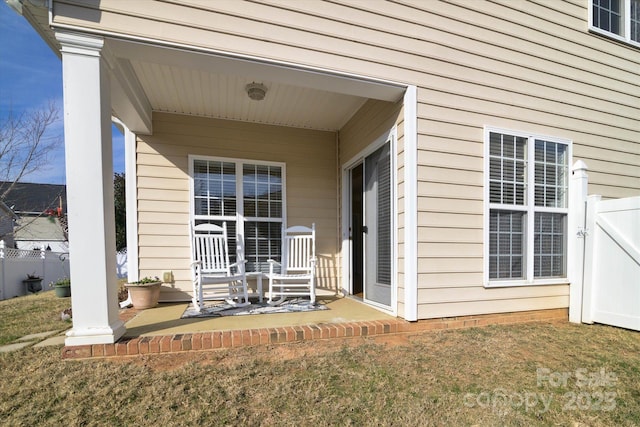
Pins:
x,y
526,180
617,18
223,188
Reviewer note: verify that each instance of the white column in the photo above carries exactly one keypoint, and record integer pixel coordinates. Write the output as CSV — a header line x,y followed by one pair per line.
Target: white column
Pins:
x,y
576,238
131,191
89,165
133,272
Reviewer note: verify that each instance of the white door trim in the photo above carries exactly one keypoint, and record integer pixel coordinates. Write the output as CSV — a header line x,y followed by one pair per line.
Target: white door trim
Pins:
x,y
390,136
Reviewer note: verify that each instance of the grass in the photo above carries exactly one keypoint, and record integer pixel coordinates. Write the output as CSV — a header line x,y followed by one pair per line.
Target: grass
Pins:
x,y
32,314
480,376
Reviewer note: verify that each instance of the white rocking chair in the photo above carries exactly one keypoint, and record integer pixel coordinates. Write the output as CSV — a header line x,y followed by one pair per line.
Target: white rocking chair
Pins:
x,y
214,277
298,267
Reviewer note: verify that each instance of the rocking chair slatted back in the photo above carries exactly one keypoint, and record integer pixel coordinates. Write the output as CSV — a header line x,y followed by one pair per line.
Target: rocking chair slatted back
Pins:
x,y
210,246
299,252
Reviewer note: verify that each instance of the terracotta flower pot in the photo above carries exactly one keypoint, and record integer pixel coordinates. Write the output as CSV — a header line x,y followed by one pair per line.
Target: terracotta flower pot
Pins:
x,y
144,295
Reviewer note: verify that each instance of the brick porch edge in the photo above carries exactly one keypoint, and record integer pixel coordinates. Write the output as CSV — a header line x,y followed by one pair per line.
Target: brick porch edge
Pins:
x,y
202,341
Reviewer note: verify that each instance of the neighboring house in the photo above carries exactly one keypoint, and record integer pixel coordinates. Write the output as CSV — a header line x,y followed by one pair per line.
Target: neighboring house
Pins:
x,y
7,222
41,232
39,216
431,142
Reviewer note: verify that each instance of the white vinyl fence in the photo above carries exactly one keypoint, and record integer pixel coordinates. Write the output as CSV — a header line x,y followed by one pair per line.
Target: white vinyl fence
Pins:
x,y
122,266
16,264
607,289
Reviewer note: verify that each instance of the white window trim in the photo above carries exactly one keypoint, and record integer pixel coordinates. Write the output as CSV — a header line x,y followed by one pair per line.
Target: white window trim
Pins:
x,y
239,190
529,274
626,23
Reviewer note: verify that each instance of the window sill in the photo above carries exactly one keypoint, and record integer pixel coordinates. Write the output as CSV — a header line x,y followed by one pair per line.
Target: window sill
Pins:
x,y
523,283
614,37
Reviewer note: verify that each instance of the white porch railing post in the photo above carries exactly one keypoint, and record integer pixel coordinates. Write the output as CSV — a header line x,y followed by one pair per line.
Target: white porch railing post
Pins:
x,y
576,239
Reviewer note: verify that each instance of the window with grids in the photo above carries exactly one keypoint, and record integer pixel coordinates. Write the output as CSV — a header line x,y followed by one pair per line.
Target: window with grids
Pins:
x,y
224,188
262,200
527,179
617,18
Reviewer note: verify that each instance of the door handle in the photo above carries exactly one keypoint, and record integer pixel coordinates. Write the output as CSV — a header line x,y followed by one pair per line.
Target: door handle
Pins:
x,y
365,229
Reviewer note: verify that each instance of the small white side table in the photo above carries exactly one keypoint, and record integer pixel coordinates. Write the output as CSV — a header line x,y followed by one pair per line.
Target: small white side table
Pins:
x,y
258,276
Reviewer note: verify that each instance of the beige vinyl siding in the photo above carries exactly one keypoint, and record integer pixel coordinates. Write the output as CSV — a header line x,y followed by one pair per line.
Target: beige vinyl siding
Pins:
x,y
515,64
368,124
163,186
495,305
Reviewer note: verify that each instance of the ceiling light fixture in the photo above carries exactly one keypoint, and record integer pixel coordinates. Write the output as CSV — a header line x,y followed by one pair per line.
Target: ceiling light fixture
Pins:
x,y
256,91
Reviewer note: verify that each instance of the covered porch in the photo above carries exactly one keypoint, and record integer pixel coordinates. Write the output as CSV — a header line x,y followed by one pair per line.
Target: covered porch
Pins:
x,y
161,330
181,108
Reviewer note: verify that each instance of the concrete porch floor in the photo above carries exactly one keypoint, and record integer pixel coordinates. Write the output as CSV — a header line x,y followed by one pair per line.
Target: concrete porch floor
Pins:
x,y
165,319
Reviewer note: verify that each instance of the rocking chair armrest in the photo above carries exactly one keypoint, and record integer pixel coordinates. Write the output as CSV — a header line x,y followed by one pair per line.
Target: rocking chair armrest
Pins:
x,y
237,263
195,269
272,264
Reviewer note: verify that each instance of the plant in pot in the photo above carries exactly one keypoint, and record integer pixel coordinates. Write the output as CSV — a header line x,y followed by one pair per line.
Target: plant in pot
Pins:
x,y
33,282
145,292
62,287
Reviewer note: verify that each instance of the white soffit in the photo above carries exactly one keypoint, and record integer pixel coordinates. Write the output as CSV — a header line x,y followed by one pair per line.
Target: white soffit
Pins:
x,y
200,93
184,82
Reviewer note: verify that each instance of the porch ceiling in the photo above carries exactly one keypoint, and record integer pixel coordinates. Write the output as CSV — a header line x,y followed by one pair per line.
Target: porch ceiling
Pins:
x,y
195,83
184,90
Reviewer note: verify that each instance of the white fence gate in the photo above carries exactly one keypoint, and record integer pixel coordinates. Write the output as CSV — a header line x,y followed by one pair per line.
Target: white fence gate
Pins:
x,y
610,257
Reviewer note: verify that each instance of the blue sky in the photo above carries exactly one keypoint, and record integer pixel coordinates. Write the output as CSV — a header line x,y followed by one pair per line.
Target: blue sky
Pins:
x,y
30,77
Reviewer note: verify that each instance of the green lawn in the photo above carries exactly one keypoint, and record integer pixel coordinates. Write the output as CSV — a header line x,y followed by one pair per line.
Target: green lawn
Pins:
x,y
32,314
536,374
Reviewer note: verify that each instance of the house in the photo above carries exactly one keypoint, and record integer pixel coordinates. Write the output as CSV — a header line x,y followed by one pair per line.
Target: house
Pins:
x,y
45,231
431,142
7,221
39,216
